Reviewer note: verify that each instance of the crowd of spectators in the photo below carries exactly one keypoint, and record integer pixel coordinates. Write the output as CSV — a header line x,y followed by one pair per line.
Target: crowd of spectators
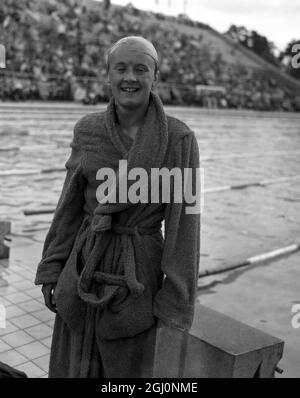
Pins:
x,y
55,51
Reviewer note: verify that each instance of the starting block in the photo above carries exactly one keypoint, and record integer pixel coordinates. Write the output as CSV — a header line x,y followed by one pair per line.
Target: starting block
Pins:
x,y
216,346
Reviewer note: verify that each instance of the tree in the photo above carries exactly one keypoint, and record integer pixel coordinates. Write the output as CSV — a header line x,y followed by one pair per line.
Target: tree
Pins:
x,y
239,34
254,41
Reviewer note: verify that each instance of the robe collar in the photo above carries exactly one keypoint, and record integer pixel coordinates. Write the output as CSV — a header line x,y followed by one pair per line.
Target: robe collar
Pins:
x,y
147,151
149,146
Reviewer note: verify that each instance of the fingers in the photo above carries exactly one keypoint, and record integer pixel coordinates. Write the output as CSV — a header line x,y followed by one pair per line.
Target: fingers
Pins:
x,y
47,291
53,302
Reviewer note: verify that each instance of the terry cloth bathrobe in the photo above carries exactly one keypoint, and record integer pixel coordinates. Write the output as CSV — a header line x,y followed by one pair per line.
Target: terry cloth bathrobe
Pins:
x,y
116,273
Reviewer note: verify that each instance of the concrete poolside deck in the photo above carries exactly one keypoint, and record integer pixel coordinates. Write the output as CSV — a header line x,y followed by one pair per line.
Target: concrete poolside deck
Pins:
x,y
25,340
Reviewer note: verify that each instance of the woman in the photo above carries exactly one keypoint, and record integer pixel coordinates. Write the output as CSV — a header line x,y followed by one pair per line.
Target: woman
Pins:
x,y
103,265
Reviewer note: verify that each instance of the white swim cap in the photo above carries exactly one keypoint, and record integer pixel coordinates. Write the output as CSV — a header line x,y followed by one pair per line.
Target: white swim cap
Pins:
x,y
136,43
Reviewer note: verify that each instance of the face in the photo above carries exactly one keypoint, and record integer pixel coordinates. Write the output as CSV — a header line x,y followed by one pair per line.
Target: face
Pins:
x,y
131,74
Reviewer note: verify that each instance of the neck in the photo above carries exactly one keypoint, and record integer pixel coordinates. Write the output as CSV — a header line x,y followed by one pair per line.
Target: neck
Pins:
x,y
131,118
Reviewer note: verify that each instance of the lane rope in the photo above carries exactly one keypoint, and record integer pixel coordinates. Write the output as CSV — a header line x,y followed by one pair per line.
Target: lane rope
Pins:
x,y
217,156
252,260
16,172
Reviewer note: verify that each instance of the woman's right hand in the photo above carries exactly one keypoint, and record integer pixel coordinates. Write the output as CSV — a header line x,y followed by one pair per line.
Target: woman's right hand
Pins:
x,y
48,290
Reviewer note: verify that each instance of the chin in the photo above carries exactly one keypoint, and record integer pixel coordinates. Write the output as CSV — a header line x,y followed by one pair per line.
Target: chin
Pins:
x,y
131,104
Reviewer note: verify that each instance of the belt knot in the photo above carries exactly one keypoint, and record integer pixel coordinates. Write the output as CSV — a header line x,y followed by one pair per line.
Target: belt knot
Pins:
x,y
101,223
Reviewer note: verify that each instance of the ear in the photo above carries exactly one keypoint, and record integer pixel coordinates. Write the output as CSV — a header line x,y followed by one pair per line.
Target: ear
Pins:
x,y
156,79
107,78
107,75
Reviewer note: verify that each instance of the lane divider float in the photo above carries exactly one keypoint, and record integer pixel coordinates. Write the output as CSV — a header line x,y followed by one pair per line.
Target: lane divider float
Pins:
x,y
252,260
17,172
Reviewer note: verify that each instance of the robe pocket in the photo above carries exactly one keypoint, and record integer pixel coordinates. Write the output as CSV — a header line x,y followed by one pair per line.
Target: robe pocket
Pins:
x,y
69,305
134,317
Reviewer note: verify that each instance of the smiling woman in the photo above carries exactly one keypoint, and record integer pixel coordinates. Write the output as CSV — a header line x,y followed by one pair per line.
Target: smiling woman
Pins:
x,y
132,65
106,269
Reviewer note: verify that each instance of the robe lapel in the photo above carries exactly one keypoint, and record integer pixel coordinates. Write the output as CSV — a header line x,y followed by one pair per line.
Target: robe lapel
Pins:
x,y
147,150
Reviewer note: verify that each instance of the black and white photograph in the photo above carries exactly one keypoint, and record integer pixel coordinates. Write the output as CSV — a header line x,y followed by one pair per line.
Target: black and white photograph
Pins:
x,y
149,191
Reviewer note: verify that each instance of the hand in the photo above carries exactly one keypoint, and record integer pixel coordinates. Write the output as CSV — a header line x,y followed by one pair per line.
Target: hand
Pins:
x,y
48,290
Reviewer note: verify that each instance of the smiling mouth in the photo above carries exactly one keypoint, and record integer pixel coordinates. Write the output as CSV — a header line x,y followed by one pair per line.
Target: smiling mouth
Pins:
x,y
129,90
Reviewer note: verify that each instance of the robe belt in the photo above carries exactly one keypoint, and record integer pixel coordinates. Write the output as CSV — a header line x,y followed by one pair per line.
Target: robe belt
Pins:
x,y
101,227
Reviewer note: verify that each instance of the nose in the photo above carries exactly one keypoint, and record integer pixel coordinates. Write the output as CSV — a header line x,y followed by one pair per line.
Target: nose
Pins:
x,y
129,76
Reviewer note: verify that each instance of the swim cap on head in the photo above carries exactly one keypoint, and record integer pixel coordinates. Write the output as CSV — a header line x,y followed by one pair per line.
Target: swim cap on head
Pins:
x,y
135,43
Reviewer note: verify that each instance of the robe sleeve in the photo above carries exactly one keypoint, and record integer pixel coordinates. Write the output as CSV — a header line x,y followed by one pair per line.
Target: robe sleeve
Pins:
x,y
66,221
174,303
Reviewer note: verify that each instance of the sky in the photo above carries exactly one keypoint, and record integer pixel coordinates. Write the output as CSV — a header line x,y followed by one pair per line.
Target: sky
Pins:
x,y
278,20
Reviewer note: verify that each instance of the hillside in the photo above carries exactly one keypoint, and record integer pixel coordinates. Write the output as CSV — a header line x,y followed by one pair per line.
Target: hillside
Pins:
x,y
55,50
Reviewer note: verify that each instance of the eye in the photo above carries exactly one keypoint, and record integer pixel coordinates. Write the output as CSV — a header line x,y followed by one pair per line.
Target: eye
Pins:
x,y
120,68
141,69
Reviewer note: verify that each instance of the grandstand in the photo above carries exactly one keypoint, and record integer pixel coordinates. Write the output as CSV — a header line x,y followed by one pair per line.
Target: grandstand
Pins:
x,y
55,51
